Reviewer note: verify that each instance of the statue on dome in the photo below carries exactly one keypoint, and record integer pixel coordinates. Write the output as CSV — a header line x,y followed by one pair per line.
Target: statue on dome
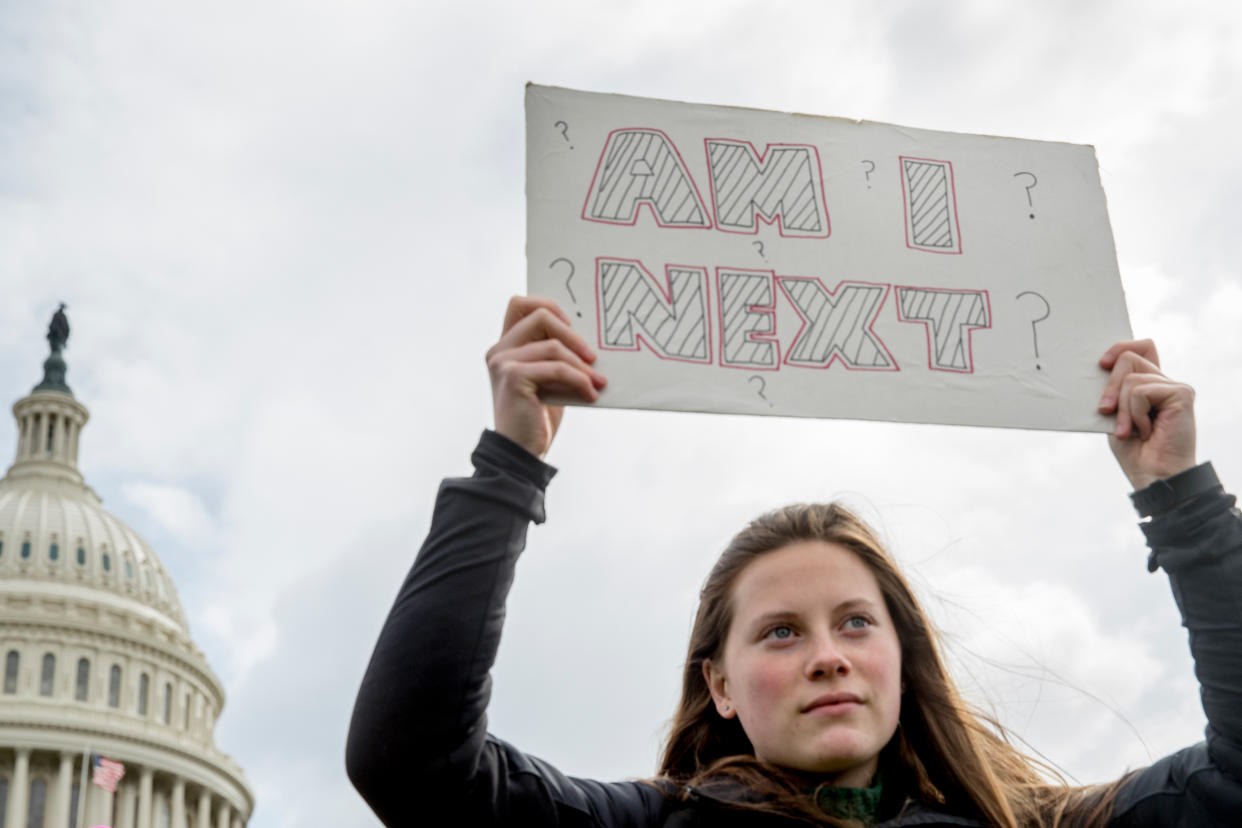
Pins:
x,y
54,367
58,331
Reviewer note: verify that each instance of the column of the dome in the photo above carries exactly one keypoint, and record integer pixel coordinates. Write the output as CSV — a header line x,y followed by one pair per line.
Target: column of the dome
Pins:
x,y
145,801
46,427
61,788
126,800
59,421
19,791
21,438
45,424
40,434
75,428
100,802
178,803
26,429
204,809
36,430
55,428
223,815
28,436
237,822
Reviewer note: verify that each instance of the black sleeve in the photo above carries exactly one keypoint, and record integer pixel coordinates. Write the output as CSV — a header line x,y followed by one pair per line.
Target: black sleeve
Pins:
x,y
418,748
1199,546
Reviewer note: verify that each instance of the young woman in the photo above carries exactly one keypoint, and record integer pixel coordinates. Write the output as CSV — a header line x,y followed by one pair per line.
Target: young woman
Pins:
x,y
813,690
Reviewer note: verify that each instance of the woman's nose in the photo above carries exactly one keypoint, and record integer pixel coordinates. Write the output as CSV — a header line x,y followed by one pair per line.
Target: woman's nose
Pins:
x,y
826,659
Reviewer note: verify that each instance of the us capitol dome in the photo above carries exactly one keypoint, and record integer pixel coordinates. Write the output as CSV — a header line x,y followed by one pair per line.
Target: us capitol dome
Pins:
x,y
96,654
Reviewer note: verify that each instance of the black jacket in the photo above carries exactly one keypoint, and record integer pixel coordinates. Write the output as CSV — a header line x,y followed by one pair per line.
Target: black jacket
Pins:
x,y
420,754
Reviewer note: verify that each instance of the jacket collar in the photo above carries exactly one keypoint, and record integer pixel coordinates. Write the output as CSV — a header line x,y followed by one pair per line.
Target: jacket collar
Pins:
x,y
727,792
914,812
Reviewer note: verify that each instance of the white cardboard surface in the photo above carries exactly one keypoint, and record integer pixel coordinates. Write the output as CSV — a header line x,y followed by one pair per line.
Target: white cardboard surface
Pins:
x,y
742,261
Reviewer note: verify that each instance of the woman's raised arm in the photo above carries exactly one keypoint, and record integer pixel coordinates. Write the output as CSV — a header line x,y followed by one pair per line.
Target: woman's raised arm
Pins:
x,y
1195,535
418,748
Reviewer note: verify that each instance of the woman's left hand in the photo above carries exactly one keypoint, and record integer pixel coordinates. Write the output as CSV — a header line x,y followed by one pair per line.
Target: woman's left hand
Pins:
x,y
1154,436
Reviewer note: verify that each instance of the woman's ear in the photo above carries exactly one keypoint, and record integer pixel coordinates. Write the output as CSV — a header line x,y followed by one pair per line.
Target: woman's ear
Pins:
x,y
718,686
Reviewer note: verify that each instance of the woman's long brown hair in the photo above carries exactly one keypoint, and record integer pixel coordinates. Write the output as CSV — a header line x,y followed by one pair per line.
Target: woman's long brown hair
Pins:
x,y
943,751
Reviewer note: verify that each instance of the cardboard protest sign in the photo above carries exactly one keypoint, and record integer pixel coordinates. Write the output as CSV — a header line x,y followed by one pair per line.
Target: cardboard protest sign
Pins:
x,y
736,260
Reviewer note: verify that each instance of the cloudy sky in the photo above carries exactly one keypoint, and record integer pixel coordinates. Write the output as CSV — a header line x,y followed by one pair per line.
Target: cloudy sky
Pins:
x,y
286,233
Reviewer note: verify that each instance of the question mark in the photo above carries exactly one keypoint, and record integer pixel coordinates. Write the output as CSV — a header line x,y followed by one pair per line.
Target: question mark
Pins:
x,y
1029,187
869,172
564,131
1047,313
759,245
762,385
568,286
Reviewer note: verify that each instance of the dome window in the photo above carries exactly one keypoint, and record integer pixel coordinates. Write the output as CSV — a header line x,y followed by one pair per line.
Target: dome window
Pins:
x,y
53,551
167,703
84,678
107,563
25,549
1,547
129,569
46,680
11,662
144,687
81,556
114,686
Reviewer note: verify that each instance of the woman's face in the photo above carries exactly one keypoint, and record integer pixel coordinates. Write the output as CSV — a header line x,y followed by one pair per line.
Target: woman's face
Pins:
x,y
812,664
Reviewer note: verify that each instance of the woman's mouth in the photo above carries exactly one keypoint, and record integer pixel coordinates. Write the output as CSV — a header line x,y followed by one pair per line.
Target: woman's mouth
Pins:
x,y
833,703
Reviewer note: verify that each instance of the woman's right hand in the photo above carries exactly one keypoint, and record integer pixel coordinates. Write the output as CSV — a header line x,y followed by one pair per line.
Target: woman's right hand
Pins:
x,y
538,355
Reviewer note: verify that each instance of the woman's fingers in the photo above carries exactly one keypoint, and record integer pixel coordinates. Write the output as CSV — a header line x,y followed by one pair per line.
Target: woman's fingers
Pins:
x,y
541,321
1161,414
558,379
520,306
1154,435
538,355
1143,347
520,387
1137,395
1137,404
1122,365
1144,396
509,366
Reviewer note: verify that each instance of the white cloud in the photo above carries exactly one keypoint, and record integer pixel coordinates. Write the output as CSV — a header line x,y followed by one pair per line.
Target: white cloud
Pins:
x,y
180,511
1038,656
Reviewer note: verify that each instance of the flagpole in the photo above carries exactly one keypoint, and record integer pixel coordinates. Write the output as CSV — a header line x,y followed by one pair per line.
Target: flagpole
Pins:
x,y
86,758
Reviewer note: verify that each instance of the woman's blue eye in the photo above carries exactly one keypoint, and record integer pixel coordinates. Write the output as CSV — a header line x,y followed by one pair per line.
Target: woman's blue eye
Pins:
x,y
857,622
782,631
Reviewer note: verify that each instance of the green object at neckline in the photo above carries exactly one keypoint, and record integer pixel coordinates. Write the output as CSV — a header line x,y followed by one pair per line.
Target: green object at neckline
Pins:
x,y
851,803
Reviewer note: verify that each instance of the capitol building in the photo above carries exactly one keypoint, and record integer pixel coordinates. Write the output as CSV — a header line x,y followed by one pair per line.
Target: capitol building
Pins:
x,y
96,653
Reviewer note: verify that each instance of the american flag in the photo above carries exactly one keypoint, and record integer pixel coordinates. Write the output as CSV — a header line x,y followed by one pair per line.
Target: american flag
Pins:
x,y
106,773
